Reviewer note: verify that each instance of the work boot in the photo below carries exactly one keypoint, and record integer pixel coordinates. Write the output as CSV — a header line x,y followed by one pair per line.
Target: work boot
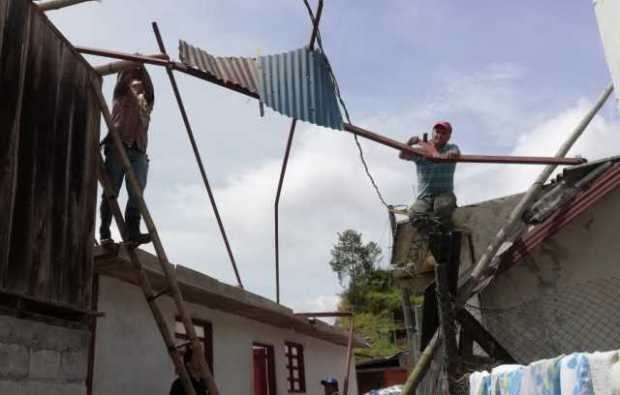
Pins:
x,y
107,242
139,238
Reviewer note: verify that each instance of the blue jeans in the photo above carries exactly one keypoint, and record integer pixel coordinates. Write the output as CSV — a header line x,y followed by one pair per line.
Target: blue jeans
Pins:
x,y
115,172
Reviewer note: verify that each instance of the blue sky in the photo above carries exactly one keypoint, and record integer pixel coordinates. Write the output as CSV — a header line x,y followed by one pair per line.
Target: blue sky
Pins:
x,y
512,77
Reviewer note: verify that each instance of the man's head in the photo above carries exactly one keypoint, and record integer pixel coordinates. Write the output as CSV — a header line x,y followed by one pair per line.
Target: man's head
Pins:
x,y
442,131
330,385
137,86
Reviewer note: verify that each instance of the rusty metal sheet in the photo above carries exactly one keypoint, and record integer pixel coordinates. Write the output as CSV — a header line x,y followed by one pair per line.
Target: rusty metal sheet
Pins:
x,y
237,71
299,84
48,186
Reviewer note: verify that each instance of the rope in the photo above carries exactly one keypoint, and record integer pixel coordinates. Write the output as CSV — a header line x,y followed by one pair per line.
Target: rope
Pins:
x,y
346,111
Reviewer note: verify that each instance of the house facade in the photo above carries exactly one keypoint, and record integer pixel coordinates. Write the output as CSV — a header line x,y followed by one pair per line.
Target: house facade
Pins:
x,y
253,345
555,289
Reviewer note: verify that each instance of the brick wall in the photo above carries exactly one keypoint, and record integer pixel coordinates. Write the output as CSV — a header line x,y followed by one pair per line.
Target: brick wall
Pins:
x,y
39,358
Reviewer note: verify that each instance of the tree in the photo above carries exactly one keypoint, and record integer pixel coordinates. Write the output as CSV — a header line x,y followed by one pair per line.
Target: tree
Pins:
x,y
352,259
368,292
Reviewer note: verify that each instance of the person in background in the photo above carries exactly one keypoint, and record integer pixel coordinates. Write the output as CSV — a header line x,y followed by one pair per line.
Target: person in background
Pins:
x,y
330,385
133,102
190,359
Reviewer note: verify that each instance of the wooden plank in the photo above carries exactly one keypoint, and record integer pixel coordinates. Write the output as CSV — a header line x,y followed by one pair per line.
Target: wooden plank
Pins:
x,y
47,160
61,173
45,129
20,256
488,343
13,57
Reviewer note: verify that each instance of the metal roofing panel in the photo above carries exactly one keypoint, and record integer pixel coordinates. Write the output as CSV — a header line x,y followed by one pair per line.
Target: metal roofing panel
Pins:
x,y
299,84
234,70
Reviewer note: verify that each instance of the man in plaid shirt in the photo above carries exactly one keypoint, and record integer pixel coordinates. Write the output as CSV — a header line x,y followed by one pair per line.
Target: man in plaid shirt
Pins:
x,y
435,179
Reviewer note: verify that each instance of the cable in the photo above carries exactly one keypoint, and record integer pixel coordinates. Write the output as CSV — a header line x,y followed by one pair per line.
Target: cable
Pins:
x,y
346,111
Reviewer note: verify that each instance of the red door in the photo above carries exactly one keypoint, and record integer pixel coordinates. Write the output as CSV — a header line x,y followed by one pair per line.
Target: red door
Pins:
x,y
264,369
261,385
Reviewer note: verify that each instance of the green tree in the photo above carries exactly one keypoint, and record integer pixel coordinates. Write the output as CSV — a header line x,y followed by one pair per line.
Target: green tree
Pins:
x,y
354,261
368,292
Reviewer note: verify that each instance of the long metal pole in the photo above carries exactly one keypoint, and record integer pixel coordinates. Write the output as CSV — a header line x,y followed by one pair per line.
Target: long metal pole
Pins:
x,y
367,134
165,265
511,230
315,29
525,160
192,140
277,206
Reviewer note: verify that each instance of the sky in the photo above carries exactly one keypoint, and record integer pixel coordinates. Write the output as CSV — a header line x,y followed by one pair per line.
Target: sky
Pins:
x,y
511,77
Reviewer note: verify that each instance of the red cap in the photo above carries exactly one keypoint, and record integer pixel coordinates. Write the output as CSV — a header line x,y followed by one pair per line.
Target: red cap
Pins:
x,y
443,125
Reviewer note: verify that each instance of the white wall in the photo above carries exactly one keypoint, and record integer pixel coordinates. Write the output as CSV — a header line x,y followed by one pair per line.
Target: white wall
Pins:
x,y
130,356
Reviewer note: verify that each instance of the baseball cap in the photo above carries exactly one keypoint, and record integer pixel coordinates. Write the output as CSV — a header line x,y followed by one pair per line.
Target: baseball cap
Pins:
x,y
443,125
329,380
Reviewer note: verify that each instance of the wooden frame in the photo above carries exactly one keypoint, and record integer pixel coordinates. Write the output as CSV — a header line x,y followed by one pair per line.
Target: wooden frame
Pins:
x,y
294,353
271,366
206,339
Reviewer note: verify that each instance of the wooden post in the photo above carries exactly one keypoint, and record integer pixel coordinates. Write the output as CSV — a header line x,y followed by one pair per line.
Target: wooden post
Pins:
x,y
58,4
345,386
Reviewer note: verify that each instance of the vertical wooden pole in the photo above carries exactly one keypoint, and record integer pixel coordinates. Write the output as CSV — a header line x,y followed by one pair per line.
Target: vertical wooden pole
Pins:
x,y
345,386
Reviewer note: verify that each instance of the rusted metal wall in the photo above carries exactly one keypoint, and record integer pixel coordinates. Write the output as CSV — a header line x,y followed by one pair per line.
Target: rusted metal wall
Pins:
x,y
49,125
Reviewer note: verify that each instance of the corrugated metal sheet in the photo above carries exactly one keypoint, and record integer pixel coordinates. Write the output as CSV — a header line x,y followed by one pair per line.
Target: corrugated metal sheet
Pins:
x,y
48,146
298,84
238,71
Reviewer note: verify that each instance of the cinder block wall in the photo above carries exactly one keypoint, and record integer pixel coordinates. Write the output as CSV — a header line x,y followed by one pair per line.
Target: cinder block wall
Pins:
x,y
39,358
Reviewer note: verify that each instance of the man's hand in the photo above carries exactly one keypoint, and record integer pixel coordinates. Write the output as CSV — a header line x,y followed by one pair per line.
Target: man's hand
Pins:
x,y
447,155
413,140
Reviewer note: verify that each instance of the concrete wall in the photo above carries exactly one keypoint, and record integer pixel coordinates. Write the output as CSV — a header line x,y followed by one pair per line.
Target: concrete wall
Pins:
x,y
38,358
130,356
565,296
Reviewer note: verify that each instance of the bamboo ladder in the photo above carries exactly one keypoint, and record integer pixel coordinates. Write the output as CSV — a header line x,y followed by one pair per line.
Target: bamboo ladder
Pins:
x,y
172,288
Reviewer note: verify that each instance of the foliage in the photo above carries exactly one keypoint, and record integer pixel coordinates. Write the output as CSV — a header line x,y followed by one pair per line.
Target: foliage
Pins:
x,y
368,292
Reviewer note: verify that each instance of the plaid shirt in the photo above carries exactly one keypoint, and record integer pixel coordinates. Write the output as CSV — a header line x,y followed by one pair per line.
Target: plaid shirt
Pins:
x,y
435,178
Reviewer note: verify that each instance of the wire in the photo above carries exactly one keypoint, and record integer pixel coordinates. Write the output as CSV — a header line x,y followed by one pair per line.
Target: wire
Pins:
x,y
346,111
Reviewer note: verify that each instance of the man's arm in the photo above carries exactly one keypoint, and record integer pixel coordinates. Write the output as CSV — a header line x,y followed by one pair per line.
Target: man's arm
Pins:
x,y
452,153
406,155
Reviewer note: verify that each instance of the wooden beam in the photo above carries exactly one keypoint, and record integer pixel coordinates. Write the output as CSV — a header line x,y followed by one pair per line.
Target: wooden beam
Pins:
x,y
488,343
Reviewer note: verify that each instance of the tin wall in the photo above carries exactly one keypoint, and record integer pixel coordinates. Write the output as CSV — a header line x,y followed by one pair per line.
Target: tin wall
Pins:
x,y
49,133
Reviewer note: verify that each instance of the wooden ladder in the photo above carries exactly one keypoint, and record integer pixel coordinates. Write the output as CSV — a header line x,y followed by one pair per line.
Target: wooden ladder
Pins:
x,y
172,287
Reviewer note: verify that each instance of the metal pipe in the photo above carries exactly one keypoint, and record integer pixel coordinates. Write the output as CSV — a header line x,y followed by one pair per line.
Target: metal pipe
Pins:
x,y
161,60
345,386
530,160
192,140
277,206
405,302
326,314
509,231
58,4
315,29
115,67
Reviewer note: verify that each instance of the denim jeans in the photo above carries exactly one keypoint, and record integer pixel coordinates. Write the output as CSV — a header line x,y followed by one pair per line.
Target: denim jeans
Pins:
x,y
114,169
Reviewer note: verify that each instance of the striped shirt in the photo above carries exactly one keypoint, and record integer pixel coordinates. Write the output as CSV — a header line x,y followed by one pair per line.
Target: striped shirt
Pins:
x,y
435,178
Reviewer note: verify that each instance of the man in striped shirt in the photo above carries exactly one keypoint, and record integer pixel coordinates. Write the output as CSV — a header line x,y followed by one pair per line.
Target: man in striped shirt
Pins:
x,y
435,179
